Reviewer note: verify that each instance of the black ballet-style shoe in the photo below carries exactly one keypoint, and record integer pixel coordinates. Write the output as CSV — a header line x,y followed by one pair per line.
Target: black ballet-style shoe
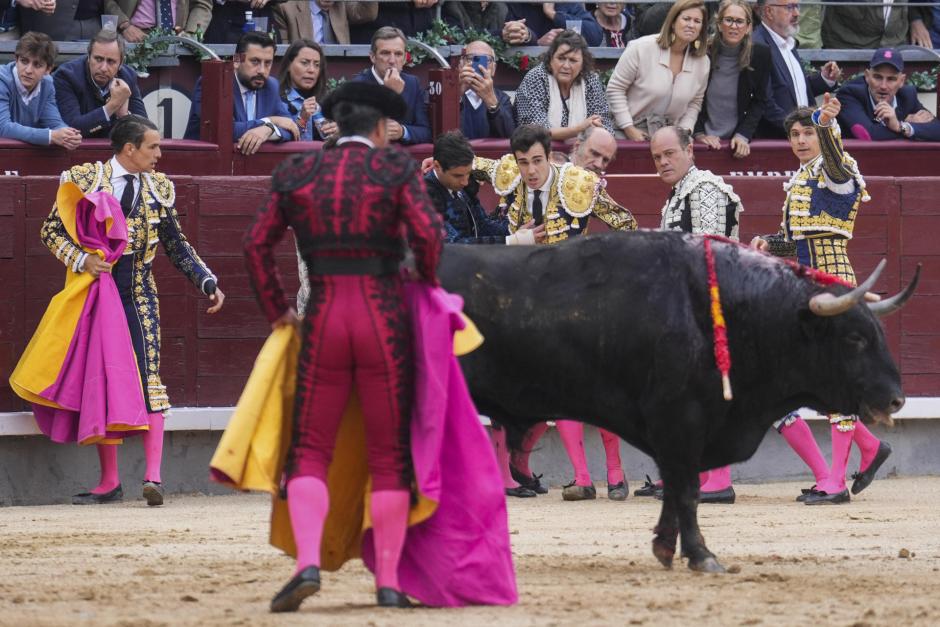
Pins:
x,y
87,498
864,479
153,492
530,483
823,498
520,492
389,597
721,497
805,492
649,489
301,586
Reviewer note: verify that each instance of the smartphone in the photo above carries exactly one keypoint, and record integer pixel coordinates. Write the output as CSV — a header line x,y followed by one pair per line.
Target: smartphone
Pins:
x,y
480,62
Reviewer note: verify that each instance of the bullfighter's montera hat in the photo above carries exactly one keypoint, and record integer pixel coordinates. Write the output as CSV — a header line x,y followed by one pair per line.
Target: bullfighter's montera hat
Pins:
x,y
379,97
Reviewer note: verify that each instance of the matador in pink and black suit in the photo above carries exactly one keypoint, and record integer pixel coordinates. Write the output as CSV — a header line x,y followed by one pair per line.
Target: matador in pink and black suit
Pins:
x,y
348,207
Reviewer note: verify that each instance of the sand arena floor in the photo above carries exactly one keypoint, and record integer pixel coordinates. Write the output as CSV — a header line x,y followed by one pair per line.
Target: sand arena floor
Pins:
x,y
204,561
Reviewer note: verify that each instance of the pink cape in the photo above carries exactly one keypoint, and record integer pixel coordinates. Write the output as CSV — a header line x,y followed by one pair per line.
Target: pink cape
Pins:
x,y
461,555
98,387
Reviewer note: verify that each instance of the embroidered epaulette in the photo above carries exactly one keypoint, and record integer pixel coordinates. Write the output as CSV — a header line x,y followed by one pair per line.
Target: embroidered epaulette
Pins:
x,y
390,166
504,173
577,190
162,188
296,171
87,176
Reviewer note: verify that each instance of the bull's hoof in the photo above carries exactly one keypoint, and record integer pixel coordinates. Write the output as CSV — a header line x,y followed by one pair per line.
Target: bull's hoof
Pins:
x,y
663,553
707,565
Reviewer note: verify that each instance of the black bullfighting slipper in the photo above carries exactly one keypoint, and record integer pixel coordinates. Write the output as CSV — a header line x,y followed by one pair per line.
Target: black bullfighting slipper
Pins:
x,y
574,492
649,488
153,492
725,497
532,483
822,498
618,491
301,586
389,597
864,479
805,492
87,498
520,492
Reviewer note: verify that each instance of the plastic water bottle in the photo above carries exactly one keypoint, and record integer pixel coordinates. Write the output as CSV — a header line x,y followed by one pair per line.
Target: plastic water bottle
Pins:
x,y
319,120
249,22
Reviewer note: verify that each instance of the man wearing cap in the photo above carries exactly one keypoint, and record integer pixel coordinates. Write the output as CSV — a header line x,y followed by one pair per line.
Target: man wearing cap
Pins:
x,y
880,106
348,207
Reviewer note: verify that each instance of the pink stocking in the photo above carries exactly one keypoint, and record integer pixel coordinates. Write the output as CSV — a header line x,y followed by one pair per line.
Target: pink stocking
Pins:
x,y
153,447
520,459
308,502
703,479
800,438
389,524
841,445
718,479
867,444
107,457
612,450
498,436
572,436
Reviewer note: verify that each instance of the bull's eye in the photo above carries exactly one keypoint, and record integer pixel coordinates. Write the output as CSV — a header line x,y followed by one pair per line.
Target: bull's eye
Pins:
x,y
857,341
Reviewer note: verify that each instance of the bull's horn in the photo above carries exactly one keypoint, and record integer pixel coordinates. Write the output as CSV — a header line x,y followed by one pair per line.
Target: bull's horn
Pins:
x,y
890,305
826,304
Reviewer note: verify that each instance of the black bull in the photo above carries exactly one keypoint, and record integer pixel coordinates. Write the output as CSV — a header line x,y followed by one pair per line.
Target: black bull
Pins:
x,y
615,330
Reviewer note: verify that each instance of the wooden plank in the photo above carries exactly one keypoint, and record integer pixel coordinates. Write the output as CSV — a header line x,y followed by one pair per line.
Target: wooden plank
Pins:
x,y
228,357
920,354
239,318
219,391
241,196
919,234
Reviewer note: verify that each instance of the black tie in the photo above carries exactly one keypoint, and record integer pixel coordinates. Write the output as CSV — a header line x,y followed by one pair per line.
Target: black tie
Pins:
x,y
127,197
537,207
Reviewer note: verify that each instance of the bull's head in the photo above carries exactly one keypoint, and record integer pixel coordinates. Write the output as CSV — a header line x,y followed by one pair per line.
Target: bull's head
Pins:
x,y
882,397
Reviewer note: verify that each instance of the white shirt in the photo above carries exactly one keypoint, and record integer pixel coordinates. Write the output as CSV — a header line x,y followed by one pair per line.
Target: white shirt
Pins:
x,y
355,138
543,192
796,72
474,100
118,183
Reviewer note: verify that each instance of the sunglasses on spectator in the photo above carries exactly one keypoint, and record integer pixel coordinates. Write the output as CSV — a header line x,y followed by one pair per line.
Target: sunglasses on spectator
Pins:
x,y
734,21
790,8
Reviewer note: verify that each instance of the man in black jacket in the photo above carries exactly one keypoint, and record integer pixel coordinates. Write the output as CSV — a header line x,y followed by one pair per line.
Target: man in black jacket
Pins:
x,y
95,90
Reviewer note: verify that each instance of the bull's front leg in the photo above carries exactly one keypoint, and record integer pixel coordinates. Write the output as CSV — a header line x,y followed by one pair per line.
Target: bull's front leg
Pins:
x,y
666,532
681,489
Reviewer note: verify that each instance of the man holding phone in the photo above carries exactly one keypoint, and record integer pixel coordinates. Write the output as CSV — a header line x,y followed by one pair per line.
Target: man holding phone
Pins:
x,y
484,110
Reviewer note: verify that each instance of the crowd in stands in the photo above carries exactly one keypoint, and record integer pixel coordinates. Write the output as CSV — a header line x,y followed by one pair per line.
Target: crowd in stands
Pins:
x,y
728,72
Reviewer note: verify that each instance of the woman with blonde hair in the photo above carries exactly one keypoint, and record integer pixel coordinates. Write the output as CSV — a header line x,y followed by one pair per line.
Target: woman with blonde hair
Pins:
x,y
737,84
660,79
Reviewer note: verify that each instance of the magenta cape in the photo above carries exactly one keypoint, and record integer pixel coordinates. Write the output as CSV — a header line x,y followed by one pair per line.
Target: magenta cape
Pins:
x,y
96,394
461,555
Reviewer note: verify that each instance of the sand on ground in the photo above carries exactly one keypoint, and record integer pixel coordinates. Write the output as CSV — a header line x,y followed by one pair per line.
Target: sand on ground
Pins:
x,y
205,561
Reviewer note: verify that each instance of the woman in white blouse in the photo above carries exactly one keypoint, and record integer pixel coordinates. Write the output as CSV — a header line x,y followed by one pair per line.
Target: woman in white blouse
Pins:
x,y
660,80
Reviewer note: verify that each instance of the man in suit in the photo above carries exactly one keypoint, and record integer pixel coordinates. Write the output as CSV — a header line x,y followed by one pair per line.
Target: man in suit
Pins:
x,y
880,106
874,25
137,17
790,87
322,21
539,24
388,60
62,20
411,18
97,89
485,111
260,114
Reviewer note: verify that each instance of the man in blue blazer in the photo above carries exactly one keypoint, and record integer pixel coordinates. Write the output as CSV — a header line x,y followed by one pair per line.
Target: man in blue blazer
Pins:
x,y
27,96
96,89
388,60
485,111
790,87
260,114
537,24
880,106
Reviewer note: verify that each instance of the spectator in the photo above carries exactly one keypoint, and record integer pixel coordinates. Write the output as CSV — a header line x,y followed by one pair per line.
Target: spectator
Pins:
x,y
931,20
539,24
74,20
388,61
96,89
27,96
302,81
9,21
138,17
737,84
614,22
228,19
485,111
409,17
481,16
660,79
454,194
809,35
648,19
874,25
790,86
563,93
880,106
321,21
260,114
594,149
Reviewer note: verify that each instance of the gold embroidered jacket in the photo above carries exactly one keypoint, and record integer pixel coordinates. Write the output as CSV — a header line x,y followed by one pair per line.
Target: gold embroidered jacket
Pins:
x,y
153,219
575,194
